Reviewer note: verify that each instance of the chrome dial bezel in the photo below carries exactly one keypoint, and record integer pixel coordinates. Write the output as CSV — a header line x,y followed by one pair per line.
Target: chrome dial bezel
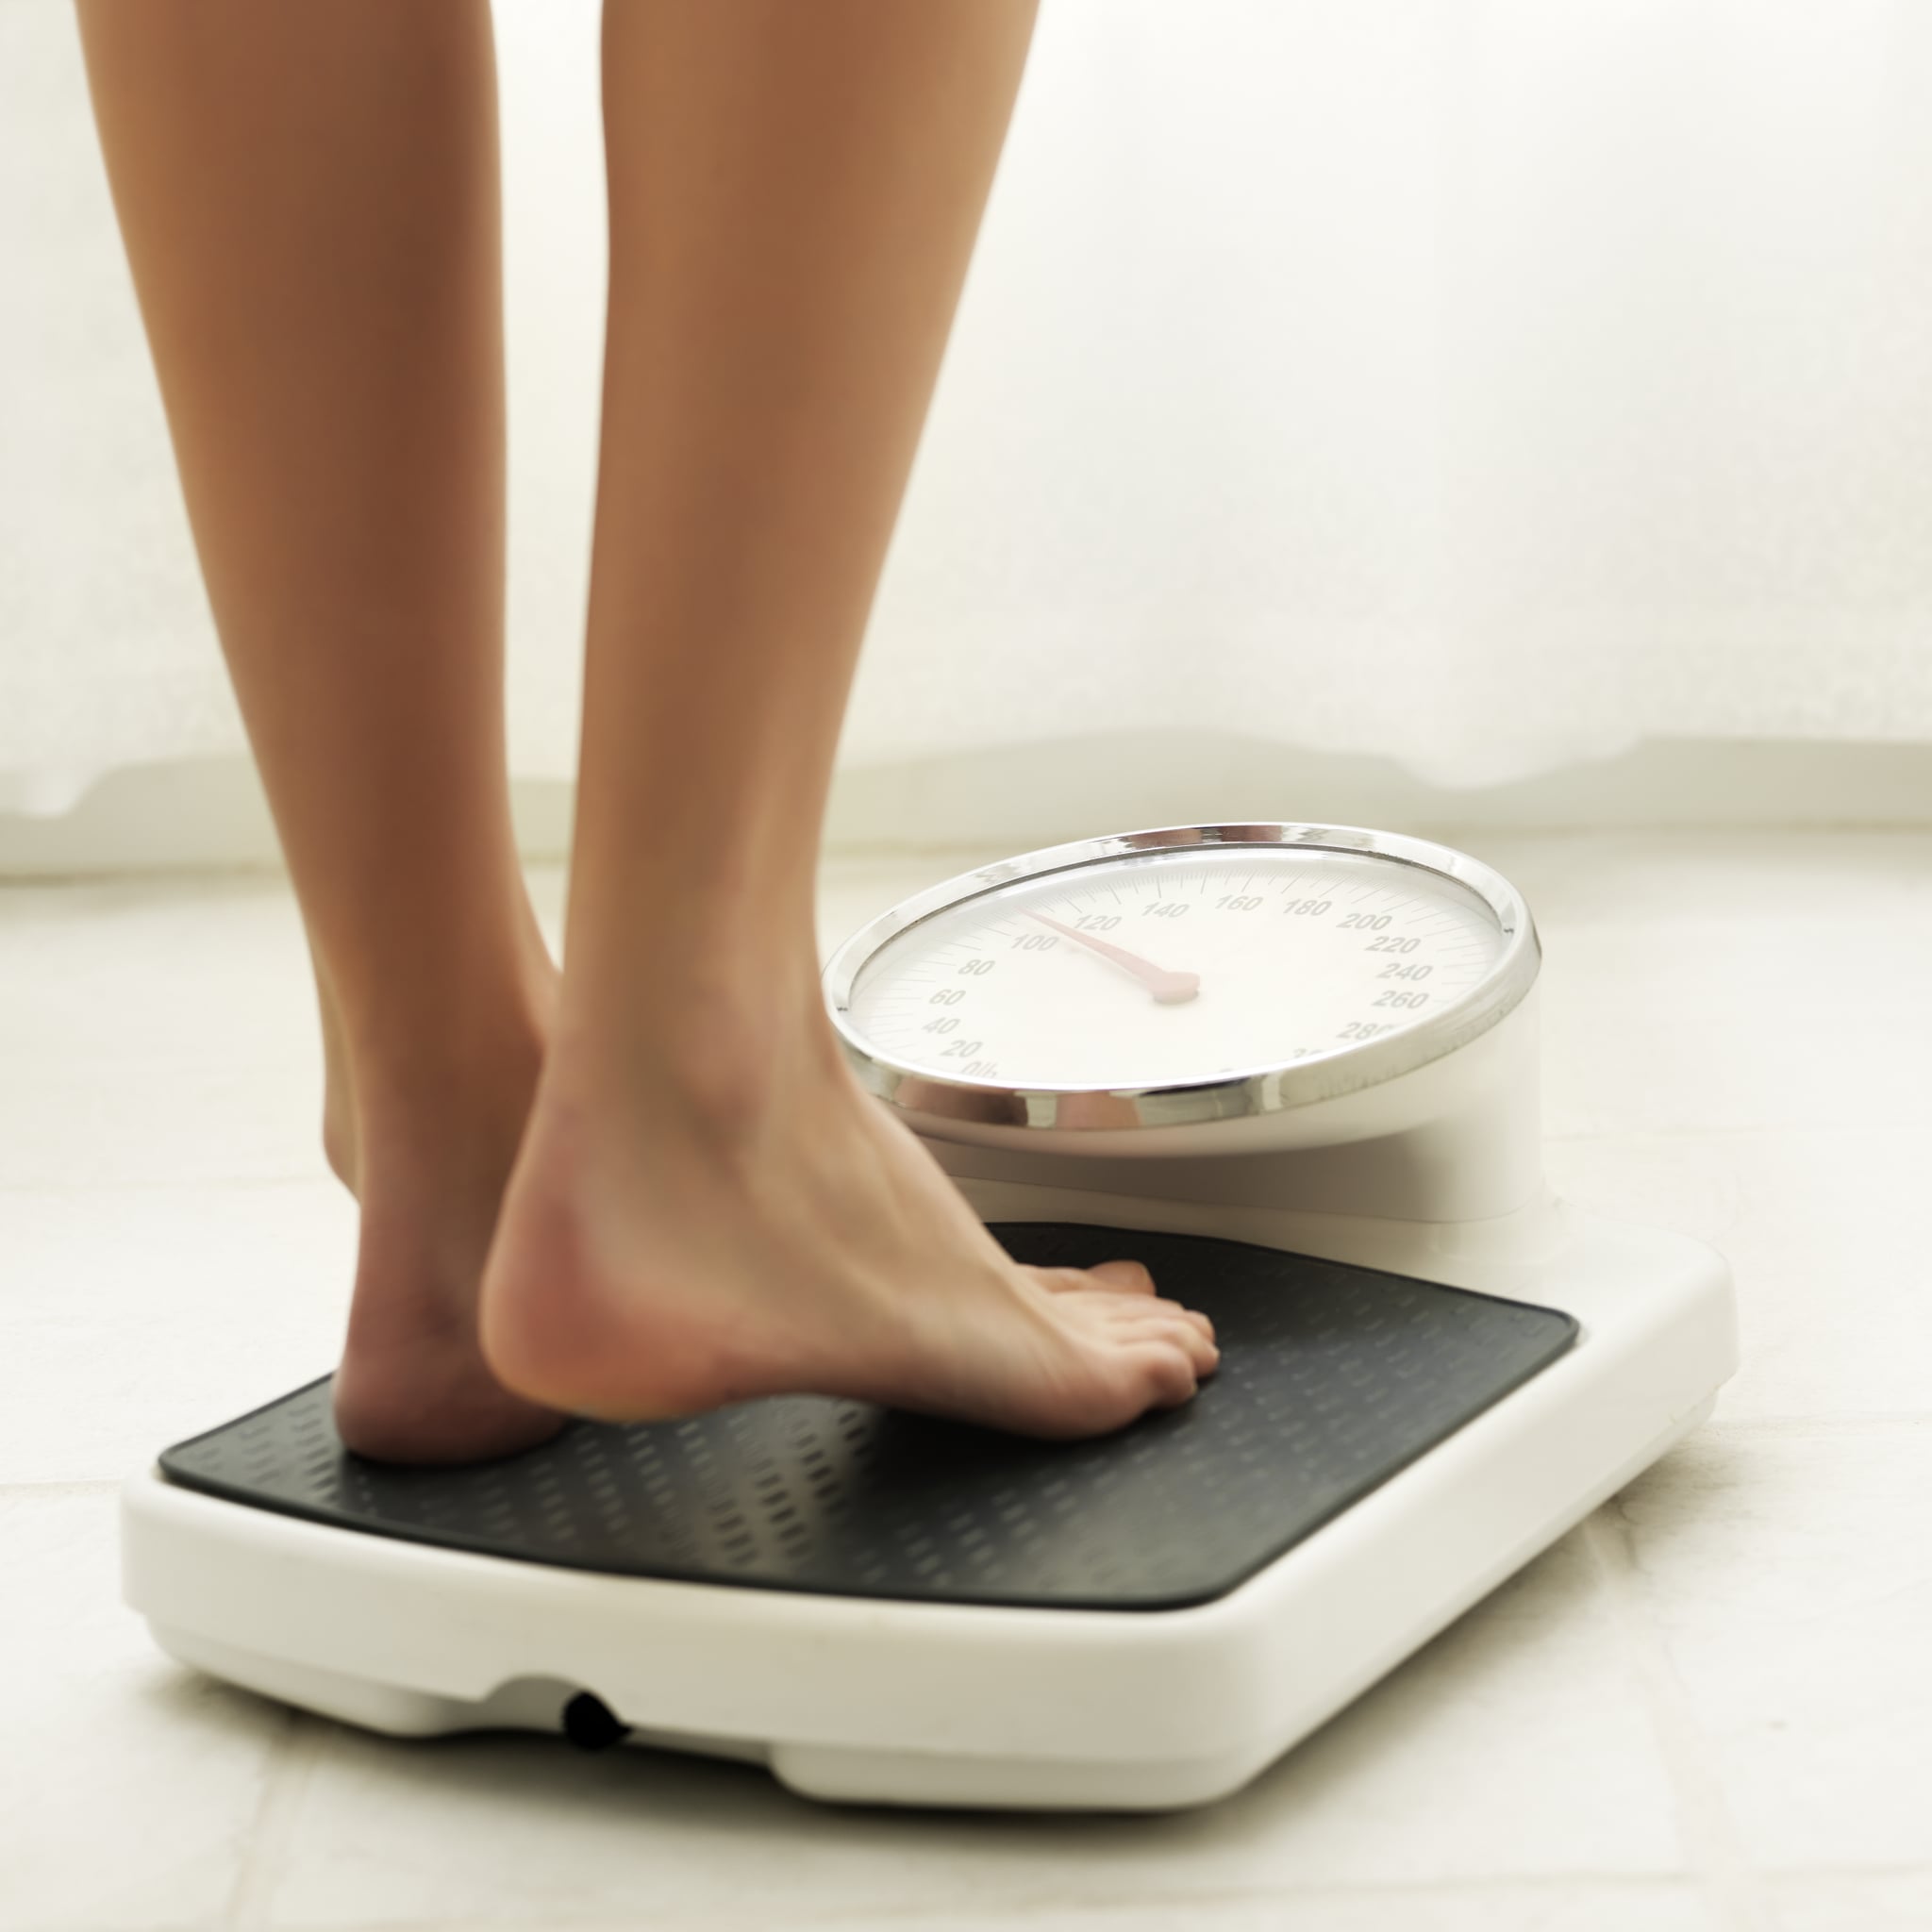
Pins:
x,y
1247,1092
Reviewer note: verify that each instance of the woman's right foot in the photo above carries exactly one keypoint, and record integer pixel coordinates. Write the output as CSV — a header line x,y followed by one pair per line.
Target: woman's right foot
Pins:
x,y
427,1154
412,1385
658,1256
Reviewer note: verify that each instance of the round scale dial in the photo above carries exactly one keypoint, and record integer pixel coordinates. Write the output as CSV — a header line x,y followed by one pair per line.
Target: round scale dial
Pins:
x,y
1200,958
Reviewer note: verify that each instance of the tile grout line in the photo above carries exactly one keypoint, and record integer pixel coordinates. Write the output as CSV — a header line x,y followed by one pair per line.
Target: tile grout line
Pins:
x,y
1837,1423
1049,1910
1044,1910
269,1839
1710,1834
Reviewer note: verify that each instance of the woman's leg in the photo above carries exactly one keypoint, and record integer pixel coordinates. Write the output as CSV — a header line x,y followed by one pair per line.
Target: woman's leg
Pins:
x,y
707,1206
307,191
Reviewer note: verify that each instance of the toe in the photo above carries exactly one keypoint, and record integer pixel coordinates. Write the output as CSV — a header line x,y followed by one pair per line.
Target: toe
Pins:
x,y
1116,1278
1123,1277
1202,1350
1134,1308
1181,1312
1178,1330
1168,1374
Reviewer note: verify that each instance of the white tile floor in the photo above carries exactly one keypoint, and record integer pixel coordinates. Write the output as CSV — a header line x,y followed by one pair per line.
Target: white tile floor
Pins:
x,y
1709,1708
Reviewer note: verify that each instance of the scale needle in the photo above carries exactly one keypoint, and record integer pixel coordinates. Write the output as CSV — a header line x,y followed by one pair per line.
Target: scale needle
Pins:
x,y
1170,988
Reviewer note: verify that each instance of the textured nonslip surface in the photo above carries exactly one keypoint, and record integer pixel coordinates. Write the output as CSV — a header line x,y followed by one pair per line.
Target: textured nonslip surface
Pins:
x,y
1332,1378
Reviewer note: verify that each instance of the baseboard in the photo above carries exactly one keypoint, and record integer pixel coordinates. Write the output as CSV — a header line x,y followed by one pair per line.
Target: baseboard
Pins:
x,y
211,814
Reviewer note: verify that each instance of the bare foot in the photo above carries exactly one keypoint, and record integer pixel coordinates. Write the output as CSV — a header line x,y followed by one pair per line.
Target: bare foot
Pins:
x,y
655,1261
412,1385
429,1165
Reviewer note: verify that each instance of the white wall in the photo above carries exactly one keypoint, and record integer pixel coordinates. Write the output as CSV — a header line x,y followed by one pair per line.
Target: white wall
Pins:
x,y
1358,408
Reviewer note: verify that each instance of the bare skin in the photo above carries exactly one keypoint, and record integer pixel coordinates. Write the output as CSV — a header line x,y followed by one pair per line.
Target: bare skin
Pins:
x,y
307,194
698,1205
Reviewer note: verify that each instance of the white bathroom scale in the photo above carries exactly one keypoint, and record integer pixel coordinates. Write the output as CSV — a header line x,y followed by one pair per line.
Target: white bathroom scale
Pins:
x,y
1291,1068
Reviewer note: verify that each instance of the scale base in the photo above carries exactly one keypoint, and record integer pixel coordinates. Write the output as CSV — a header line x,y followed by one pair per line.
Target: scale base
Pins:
x,y
931,1615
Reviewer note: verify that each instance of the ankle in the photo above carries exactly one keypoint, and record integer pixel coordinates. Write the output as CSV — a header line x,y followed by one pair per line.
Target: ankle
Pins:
x,y
710,1055
444,1099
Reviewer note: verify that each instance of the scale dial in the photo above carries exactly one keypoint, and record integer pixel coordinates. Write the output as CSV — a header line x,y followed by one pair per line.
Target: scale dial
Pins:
x,y
1197,972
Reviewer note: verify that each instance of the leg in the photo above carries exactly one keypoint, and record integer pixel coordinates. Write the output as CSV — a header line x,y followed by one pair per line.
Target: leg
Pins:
x,y
338,1078
707,1206
308,192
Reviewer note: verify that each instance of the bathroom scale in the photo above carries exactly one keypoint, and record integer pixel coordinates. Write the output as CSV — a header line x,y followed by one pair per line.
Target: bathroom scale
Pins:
x,y
1291,1068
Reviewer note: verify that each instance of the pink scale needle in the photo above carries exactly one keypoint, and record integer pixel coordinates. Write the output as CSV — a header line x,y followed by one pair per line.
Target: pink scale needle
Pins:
x,y
1170,988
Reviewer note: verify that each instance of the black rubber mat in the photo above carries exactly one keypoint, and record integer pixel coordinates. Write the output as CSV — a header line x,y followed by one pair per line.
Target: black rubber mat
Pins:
x,y
1332,1378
